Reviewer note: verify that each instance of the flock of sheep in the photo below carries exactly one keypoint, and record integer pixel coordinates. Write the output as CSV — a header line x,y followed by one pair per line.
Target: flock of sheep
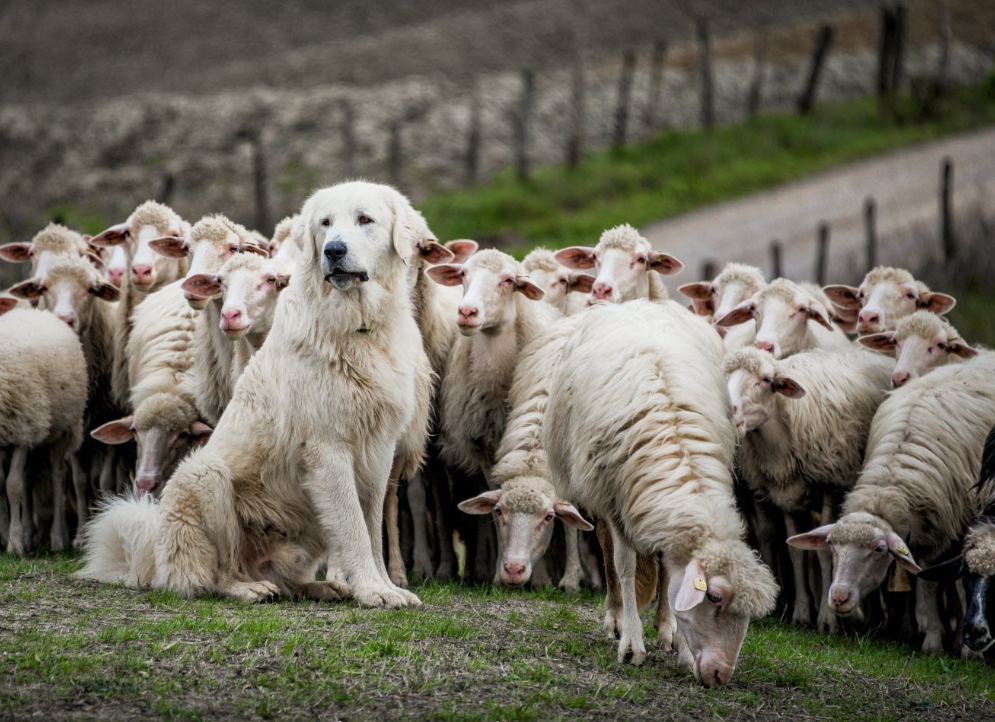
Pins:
x,y
278,390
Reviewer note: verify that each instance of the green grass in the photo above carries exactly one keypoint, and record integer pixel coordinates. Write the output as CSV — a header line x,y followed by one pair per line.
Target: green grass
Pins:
x,y
681,170
70,648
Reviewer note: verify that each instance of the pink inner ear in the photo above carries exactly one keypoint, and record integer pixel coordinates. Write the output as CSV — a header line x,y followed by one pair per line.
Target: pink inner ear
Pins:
x,y
115,432
482,504
446,274
462,249
843,296
580,283
16,252
113,236
665,264
879,341
578,258
6,304
204,285
938,303
818,538
740,314
169,247
703,308
697,291
434,253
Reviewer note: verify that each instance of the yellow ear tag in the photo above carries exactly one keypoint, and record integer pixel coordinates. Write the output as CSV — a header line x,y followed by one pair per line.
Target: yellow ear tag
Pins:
x,y
700,585
903,549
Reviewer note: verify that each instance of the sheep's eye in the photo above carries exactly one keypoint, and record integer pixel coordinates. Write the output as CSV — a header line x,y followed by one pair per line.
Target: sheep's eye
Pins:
x,y
549,516
271,280
713,597
497,510
233,249
642,259
910,295
326,222
364,219
768,380
184,434
563,281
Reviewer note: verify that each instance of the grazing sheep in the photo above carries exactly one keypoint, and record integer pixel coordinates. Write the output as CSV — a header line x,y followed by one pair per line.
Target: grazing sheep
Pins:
x,y
782,311
300,461
921,342
975,565
564,289
736,283
43,386
803,423
623,260
913,499
653,461
885,296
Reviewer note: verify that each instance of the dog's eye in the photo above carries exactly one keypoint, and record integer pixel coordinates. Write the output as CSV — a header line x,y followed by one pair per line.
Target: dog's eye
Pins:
x,y
364,219
325,222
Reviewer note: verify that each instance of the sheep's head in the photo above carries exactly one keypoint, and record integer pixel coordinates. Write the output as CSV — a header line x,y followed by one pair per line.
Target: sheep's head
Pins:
x,y
490,280
864,546
524,509
70,286
781,311
554,279
51,241
623,260
735,284
149,222
753,378
885,296
921,342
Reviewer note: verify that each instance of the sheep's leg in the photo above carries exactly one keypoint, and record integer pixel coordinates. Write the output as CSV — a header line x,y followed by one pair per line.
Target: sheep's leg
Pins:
x,y
107,473
123,476
613,598
630,644
395,571
827,621
928,617
422,566
540,574
17,540
59,533
80,489
803,603
589,562
442,516
570,581
4,509
664,620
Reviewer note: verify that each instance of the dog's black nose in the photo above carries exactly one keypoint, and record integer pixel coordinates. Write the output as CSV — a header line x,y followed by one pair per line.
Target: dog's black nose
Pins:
x,y
334,250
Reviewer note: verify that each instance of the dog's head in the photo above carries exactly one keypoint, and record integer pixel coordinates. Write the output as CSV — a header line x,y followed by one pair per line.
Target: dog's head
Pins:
x,y
358,232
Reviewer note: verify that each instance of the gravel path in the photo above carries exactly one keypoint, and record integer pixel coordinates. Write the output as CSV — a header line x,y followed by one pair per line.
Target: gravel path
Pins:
x,y
905,185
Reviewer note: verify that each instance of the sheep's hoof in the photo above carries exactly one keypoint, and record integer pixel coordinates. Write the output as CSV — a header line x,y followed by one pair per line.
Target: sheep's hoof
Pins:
x,y
422,568
398,578
446,571
828,622
632,651
570,585
665,634
933,644
802,615
612,626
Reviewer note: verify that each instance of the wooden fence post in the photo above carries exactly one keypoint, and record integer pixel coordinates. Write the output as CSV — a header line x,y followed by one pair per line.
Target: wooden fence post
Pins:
x,y
946,210
473,139
657,59
756,83
575,138
348,131
708,269
807,99
870,232
822,254
521,124
776,264
168,186
253,136
705,61
943,61
887,30
394,154
624,94
898,50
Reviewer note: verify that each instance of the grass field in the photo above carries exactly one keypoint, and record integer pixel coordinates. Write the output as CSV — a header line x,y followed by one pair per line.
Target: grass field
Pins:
x,y
76,650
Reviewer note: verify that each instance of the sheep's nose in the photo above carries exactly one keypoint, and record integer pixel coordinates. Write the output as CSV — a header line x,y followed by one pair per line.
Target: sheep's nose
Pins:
x,y
840,597
468,314
899,379
335,250
69,320
765,346
869,320
231,316
514,570
602,291
141,273
114,275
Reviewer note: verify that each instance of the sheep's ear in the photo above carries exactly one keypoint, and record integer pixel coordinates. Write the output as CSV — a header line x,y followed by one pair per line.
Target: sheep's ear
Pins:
x,y
282,281
578,258
446,274
884,342
409,228
530,290
200,433
740,314
170,247
938,303
959,348
569,515
817,312
253,248
433,252
28,290
580,283
482,504
205,285
95,260
105,292
701,291
818,538
462,249
788,387
115,432
7,303
664,263
845,318
693,587
843,296
948,571
901,553
113,236
16,252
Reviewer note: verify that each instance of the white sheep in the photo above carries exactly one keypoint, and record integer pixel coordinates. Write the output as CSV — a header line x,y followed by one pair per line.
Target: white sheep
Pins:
x,y
624,261
639,433
43,385
564,289
278,244
736,283
803,422
782,311
913,499
53,240
300,460
885,296
920,342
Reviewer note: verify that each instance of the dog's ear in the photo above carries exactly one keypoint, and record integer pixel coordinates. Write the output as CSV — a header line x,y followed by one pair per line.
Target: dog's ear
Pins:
x,y
409,228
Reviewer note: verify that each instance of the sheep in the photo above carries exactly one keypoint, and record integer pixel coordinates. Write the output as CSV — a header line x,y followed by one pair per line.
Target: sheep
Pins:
x,y
278,246
564,289
975,565
782,311
43,385
300,460
654,463
736,283
623,260
53,240
885,296
803,424
913,497
921,342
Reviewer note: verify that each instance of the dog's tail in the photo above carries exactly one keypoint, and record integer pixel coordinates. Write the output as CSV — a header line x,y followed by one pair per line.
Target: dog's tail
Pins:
x,y
119,542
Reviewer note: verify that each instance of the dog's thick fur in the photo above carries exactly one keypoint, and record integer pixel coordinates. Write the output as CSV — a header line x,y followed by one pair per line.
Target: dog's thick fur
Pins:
x,y
300,460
